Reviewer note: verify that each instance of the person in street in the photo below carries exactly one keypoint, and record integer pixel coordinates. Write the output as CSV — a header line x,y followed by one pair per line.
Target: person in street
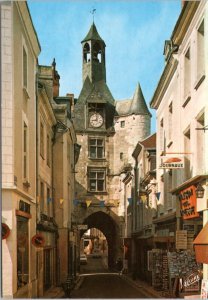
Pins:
x,y
119,265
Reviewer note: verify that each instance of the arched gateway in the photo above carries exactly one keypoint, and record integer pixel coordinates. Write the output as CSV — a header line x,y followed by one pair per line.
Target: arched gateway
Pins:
x,y
110,228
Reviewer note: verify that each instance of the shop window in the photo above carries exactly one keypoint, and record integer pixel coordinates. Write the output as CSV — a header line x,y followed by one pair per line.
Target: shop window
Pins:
x,y
22,252
96,148
96,180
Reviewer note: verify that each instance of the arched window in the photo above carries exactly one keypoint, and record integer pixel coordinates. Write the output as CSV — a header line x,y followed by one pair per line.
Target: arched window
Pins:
x,y
86,52
97,51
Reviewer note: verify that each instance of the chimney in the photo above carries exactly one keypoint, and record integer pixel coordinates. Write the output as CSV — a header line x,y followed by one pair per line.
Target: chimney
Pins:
x,y
56,78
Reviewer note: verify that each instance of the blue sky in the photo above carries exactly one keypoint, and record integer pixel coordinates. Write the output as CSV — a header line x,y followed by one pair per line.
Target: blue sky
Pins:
x,y
134,33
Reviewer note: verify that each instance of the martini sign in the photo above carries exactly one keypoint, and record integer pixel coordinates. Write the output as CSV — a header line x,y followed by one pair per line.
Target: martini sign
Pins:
x,y
171,162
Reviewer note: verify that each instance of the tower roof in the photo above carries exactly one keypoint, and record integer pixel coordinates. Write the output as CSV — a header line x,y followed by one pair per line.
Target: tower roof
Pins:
x,y
138,105
93,34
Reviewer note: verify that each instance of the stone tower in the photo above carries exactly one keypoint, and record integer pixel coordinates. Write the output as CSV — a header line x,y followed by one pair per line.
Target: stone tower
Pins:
x,y
98,121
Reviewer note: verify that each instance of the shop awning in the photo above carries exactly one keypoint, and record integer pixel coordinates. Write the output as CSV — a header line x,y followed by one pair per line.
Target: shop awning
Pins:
x,y
165,218
201,245
189,182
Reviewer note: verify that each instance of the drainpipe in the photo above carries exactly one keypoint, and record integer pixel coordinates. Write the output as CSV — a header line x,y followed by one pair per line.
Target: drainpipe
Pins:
x,y
37,153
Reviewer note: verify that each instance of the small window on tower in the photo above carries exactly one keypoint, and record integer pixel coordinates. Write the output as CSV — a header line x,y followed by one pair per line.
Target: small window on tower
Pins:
x,y
86,53
122,124
121,156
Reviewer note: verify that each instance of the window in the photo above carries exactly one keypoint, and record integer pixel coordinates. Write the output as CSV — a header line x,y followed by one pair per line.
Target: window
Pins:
x,y
25,152
161,136
200,145
200,52
187,145
187,74
42,197
170,118
22,252
41,140
48,202
24,68
122,124
121,156
48,150
96,148
97,180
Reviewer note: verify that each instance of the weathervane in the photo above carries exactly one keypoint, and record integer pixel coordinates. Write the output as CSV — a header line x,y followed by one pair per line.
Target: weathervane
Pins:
x,y
93,12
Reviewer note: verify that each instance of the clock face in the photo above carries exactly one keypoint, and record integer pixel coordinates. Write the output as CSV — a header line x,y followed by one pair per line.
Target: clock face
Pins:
x,y
96,120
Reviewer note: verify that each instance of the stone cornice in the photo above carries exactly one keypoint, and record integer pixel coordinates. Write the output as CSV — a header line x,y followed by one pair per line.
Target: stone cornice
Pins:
x,y
184,21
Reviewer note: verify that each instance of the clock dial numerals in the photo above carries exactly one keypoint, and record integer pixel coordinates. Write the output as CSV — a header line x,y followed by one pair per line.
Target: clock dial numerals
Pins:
x,y
96,120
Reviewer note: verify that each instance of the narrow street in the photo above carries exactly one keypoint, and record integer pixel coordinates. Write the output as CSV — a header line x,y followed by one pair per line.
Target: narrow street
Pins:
x,y
98,282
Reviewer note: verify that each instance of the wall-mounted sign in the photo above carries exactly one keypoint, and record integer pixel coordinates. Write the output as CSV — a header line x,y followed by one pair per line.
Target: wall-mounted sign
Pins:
x,y
187,199
171,162
38,240
5,231
181,239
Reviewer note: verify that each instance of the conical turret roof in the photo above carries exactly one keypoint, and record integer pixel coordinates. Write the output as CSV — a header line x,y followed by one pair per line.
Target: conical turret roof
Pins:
x,y
138,104
93,34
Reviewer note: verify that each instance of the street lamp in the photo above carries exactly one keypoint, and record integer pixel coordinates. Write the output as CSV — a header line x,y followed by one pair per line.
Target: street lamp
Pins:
x,y
199,191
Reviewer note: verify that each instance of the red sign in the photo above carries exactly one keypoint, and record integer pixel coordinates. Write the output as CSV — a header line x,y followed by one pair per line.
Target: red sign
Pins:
x,y
187,198
5,231
38,240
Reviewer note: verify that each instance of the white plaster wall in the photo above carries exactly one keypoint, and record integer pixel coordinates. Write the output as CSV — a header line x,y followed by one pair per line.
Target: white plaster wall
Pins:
x,y
7,96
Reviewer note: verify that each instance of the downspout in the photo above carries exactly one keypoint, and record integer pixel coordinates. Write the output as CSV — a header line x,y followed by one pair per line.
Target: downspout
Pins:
x,y
57,276
37,154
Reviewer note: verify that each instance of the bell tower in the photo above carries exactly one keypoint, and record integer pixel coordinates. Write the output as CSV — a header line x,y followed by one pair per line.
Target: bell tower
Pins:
x,y
93,52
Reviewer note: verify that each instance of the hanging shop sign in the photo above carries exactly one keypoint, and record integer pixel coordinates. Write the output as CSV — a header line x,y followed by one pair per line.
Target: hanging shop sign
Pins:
x,y
38,240
171,162
187,199
5,231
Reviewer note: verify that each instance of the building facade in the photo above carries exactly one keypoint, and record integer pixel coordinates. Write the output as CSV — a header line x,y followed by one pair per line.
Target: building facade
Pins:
x,y
19,51
180,100
107,131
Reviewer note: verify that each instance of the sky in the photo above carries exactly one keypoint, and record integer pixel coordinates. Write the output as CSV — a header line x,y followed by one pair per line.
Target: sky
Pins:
x,y
134,32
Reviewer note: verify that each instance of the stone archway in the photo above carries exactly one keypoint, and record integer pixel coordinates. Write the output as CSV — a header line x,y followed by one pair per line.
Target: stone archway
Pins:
x,y
110,229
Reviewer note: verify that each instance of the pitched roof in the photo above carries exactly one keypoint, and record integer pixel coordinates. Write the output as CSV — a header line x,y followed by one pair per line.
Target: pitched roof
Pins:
x,y
93,34
136,105
149,142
